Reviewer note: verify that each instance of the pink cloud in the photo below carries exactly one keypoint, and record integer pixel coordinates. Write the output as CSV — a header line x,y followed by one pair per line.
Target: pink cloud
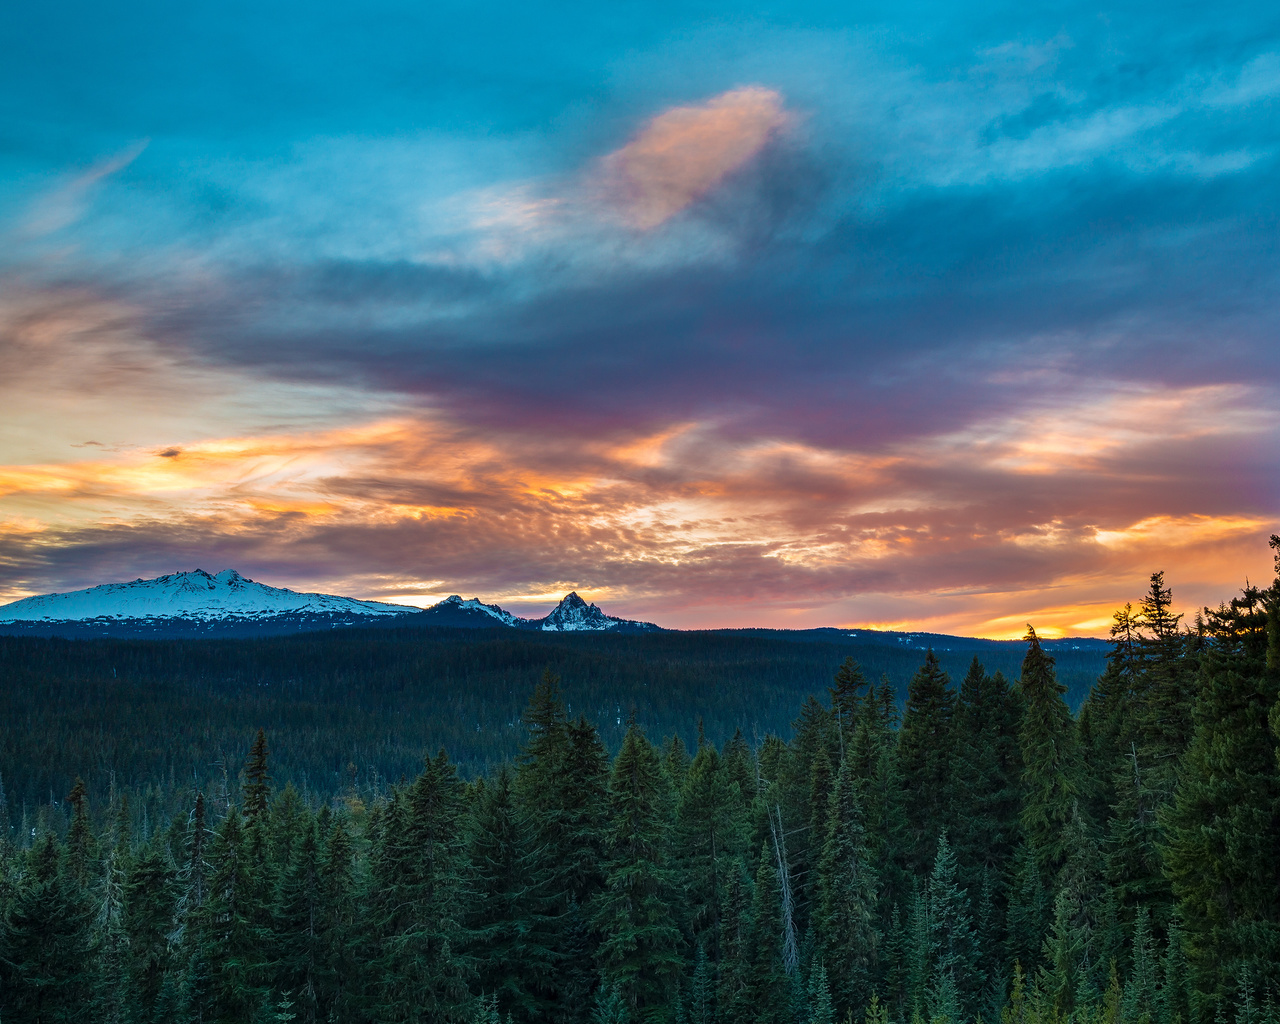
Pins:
x,y
685,152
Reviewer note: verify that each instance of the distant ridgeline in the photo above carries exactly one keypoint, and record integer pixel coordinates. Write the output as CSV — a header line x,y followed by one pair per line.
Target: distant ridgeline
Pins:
x,y
200,604
976,853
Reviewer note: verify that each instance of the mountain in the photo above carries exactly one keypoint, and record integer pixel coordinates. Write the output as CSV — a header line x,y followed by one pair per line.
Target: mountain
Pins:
x,y
573,614
189,603
228,604
469,614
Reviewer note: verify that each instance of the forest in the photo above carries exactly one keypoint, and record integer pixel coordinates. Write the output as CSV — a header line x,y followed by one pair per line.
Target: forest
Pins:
x,y
976,851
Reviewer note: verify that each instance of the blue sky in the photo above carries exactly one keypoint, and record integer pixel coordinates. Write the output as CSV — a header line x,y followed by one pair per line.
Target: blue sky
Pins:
x,y
902,314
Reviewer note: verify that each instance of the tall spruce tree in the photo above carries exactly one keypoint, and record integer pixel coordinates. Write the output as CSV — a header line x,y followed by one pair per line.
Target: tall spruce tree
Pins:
x,y
984,792
926,756
45,943
1052,766
711,830
845,921
1224,827
634,912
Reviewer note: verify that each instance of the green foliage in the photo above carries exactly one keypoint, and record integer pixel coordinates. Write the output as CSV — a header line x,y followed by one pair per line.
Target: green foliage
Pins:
x,y
1052,767
1125,861
634,912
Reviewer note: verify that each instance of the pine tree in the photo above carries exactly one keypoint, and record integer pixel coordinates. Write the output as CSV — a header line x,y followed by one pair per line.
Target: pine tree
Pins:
x,y
509,917
845,699
710,834
735,944
702,999
257,779
300,924
1141,989
80,844
148,920
421,969
1059,974
953,984
821,1010
1224,827
984,792
926,754
228,943
638,952
1052,767
338,968
45,943
845,919
1029,912
768,984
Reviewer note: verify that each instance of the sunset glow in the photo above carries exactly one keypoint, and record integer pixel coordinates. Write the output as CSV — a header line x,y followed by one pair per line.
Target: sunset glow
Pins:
x,y
830,328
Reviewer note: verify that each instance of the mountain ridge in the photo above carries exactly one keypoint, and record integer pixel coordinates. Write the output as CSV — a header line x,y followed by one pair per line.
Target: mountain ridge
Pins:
x,y
201,603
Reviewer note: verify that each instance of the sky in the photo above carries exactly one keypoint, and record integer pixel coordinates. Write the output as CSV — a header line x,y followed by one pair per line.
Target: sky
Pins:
x,y
931,316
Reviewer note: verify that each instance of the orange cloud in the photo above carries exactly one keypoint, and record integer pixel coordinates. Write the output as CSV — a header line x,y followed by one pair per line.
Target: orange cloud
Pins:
x,y
685,152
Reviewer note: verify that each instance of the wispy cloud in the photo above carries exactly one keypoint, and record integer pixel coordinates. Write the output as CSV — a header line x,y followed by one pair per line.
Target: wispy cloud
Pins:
x,y
65,204
683,153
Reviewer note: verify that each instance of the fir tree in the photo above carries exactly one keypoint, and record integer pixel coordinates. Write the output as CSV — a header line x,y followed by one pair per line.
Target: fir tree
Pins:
x,y
257,779
1052,768
638,953
845,699
953,984
509,919
1224,827
80,844
845,921
926,754
149,900
710,833
821,1010
45,944
768,985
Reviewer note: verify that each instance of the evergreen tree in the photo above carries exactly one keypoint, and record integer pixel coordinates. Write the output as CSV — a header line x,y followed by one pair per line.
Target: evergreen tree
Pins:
x,y
1029,912
953,983
821,1010
338,970
638,953
257,779
80,844
768,984
710,833
845,921
1224,827
509,920
702,996
228,942
421,969
845,699
45,944
1052,767
984,793
300,922
926,753
148,922
732,996
1141,989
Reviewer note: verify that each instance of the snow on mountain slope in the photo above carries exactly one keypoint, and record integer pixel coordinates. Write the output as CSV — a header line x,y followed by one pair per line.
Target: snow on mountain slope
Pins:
x,y
573,614
188,595
474,604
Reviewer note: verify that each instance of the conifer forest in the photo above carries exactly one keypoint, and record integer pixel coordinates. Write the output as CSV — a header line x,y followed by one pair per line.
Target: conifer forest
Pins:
x,y
969,849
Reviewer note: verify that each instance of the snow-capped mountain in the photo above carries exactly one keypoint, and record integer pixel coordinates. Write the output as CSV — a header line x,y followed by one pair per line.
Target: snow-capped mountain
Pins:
x,y
199,604
454,611
193,598
573,614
